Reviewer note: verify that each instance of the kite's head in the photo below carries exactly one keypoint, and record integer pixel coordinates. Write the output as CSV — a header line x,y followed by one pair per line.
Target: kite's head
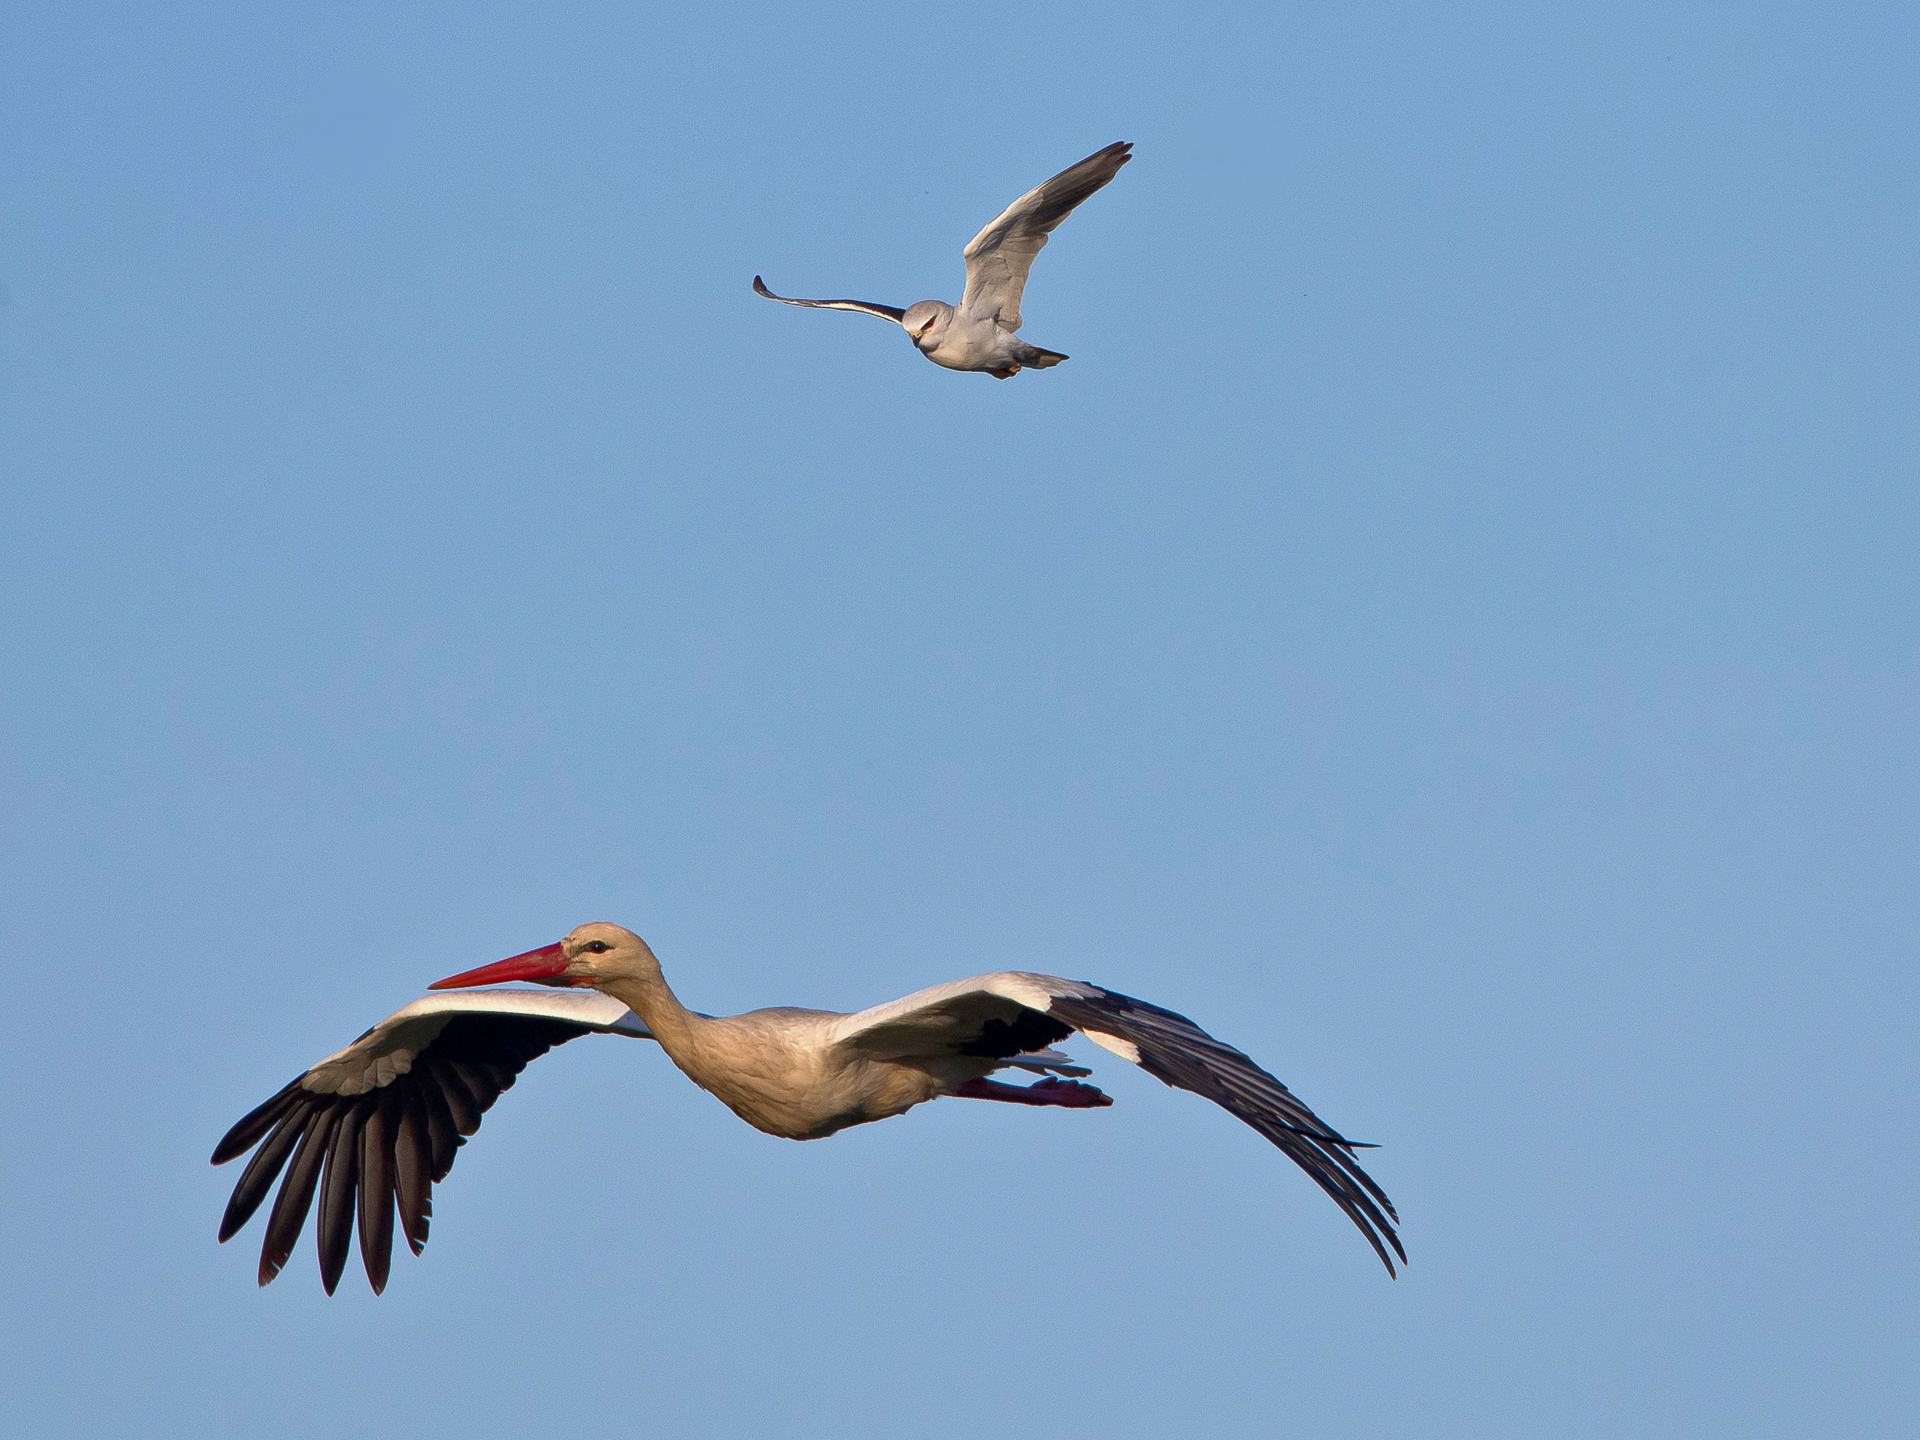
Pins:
x,y
926,322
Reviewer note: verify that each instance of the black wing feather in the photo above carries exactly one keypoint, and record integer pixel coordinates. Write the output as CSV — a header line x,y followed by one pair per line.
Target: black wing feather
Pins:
x,y
453,1089
443,1133
363,1153
290,1206
257,1179
478,1078
257,1122
377,1142
413,1166
1028,1031
1177,1051
333,1227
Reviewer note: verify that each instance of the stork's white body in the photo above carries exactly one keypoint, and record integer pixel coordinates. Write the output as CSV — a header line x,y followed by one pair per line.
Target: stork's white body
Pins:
x,y
804,1074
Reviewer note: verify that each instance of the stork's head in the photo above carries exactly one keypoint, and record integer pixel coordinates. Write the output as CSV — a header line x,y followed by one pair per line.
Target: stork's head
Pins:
x,y
926,321
590,956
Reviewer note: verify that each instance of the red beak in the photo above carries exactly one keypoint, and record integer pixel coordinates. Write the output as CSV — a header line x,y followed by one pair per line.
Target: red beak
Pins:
x,y
541,966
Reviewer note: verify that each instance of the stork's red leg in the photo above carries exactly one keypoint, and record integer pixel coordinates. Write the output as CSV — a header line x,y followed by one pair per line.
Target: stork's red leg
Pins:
x,y
1070,1094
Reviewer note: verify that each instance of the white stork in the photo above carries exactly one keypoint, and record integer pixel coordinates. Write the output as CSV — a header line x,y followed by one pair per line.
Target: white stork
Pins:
x,y
381,1120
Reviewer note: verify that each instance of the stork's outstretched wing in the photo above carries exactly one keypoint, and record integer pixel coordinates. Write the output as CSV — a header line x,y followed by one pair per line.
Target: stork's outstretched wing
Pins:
x,y
999,257
885,312
381,1120
1014,1013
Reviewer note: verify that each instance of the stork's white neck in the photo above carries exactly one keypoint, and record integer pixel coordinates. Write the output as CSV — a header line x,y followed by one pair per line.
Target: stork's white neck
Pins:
x,y
649,997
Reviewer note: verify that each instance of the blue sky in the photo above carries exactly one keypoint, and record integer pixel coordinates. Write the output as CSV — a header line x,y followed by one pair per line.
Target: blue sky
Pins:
x,y
1450,629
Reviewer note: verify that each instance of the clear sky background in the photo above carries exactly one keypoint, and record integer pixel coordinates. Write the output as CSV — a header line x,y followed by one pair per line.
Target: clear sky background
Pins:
x,y
1450,629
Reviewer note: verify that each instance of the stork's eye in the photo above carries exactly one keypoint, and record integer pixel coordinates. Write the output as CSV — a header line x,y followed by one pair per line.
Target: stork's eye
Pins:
x,y
596,947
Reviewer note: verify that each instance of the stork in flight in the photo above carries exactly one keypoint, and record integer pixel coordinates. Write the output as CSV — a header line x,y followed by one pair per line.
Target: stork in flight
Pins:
x,y
978,334
381,1121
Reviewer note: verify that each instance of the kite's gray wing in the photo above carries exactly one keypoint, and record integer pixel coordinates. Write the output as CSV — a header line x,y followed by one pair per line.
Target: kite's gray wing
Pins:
x,y
885,312
999,257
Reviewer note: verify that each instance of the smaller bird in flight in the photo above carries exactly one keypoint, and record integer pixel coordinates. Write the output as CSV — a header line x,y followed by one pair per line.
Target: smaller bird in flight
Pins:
x,y
978,334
